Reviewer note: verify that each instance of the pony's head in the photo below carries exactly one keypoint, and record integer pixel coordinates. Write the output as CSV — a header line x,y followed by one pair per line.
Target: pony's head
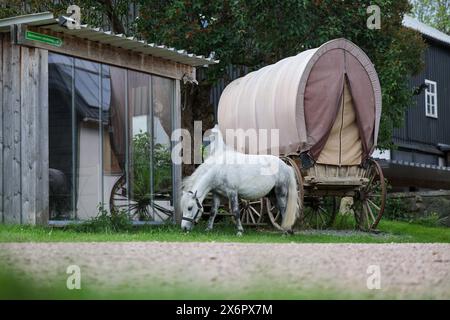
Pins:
x,y
192,210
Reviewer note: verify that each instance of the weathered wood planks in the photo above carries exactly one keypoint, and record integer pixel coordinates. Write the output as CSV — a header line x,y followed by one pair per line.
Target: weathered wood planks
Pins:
x,y
34,135
12,205
24,134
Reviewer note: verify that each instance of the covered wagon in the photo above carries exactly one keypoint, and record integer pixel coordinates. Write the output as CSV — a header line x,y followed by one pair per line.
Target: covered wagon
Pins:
x,y
325,104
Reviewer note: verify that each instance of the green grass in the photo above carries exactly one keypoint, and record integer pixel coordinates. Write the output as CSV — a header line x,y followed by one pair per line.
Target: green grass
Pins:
x,y
19,286
13,287
391,231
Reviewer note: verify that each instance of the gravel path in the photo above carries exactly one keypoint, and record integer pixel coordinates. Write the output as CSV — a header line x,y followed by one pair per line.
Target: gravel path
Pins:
x,y
407,270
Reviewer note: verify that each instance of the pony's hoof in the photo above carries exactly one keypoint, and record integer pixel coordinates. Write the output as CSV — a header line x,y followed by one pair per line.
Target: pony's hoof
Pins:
x,y
208,229
289,232
239,233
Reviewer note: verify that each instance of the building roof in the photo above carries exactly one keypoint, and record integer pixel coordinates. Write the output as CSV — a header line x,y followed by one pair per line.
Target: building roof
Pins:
x,y
426,30
47,21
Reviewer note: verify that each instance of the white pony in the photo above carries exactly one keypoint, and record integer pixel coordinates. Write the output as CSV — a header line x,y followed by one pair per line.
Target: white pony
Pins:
x,y
232,174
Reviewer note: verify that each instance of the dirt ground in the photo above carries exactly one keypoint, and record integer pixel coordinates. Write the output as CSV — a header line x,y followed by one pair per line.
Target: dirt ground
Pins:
x,y
406,270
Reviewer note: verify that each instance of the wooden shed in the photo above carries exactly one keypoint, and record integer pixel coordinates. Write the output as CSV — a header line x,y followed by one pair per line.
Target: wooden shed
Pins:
x,y
86,121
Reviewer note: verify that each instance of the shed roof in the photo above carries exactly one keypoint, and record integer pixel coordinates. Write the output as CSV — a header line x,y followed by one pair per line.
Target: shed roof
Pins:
x,y
47,21
426,30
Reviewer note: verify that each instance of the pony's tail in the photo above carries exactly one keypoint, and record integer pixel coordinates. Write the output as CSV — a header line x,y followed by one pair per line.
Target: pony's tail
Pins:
x,y
291,213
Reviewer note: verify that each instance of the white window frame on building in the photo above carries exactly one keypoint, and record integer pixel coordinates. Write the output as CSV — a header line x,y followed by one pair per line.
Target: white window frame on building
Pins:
x,y
431,107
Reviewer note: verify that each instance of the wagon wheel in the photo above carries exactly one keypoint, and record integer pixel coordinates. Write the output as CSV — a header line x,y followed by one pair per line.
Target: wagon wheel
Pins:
x,y
251,212
273,213
320,213
371,200
118,199
139,208
270,204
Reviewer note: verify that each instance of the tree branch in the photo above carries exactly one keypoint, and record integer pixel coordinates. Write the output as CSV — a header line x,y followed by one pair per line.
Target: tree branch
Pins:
x,y
116,24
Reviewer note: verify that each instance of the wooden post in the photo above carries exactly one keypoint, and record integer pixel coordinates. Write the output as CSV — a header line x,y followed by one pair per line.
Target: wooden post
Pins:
x,y
42,212
23,134
12,202
34,137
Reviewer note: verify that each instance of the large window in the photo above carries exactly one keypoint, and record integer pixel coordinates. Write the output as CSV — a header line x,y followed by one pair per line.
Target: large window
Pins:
x,y
109,141
431,99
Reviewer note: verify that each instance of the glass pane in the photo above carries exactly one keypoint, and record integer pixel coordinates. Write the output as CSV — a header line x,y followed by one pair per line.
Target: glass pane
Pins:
x,y
114,137
61,157
162,111
87,107
162,130
140,128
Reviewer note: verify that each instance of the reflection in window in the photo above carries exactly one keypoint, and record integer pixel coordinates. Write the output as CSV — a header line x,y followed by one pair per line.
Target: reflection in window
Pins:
x,y
140,168
61,157
162,123
108,144
87,103
114,137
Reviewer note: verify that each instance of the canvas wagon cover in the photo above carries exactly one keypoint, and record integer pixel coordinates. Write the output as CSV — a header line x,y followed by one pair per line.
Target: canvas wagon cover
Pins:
x,y
321,99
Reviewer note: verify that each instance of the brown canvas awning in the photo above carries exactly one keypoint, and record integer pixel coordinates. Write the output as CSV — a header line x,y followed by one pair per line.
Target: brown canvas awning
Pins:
x,y
303,96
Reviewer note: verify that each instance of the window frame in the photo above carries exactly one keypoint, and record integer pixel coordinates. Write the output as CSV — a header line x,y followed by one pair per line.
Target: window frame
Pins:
x,y
431,95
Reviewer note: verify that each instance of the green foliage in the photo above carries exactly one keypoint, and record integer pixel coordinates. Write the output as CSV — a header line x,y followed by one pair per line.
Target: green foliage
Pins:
x,y
397,209
93,12
433,12
256,33
163,168
430,220
104,223
142,163
400,209
344,222
141,169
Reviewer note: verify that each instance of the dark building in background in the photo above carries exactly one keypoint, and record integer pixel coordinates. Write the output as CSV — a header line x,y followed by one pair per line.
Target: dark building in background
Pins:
x,y
422,157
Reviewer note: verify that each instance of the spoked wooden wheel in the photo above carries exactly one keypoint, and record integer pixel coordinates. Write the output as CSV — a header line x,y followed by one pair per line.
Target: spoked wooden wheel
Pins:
x,y
371,200
251,212
140,208
320,212
273,213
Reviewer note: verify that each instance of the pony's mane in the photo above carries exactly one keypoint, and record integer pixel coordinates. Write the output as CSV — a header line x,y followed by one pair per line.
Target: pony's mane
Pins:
x,y
189,182
216,147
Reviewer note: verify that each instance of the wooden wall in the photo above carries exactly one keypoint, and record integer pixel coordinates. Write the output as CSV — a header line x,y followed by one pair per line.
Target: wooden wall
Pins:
x,y
23,133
